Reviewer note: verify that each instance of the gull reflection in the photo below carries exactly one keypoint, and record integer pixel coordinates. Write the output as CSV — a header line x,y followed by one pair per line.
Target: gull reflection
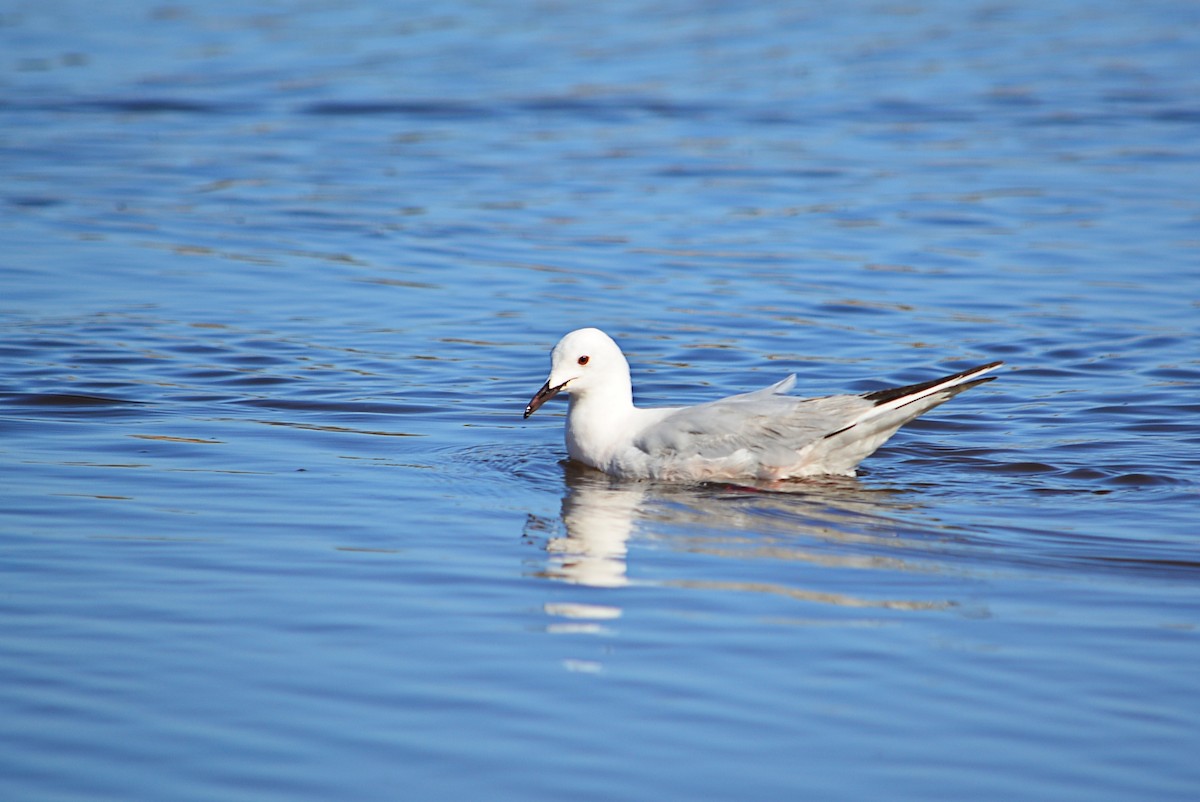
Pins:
x,y
835,524
598,515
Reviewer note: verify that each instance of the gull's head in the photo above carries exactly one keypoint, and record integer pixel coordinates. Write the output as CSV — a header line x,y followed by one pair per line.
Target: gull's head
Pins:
x,y
583,361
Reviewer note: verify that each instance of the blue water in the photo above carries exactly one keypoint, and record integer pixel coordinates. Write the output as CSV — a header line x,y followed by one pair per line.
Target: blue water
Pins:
x,y
276,282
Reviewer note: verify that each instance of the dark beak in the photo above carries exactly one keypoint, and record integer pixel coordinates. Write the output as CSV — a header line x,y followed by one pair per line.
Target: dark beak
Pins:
x,y
543,395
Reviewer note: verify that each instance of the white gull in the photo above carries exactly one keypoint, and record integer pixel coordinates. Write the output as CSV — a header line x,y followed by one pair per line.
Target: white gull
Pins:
x,y
763,435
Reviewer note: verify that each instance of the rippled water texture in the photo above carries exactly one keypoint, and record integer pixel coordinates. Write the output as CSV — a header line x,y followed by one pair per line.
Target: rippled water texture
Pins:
x,y
276,282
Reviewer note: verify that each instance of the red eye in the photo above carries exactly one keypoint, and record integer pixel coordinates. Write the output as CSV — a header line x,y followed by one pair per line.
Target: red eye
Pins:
x,y
583,360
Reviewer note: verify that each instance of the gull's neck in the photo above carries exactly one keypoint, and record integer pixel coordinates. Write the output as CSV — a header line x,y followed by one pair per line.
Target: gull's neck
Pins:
x,y
600,422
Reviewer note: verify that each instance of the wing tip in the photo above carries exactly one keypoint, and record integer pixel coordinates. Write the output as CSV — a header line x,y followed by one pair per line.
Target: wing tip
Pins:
x,y
952,385
958,381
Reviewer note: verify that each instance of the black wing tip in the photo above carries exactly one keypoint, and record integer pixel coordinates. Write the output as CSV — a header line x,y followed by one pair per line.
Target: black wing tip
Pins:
x,y
973,383
893,393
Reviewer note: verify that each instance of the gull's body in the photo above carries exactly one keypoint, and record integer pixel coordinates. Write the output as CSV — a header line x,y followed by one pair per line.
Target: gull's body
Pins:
x,y
763,435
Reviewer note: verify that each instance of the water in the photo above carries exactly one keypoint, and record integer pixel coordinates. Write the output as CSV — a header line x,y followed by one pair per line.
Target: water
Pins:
x,y
276,283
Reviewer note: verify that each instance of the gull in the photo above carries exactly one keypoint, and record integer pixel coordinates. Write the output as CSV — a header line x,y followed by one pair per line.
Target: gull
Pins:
x,y
762,435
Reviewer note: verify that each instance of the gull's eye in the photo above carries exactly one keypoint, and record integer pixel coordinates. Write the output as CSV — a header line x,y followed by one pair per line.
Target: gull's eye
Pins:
x,y
583,360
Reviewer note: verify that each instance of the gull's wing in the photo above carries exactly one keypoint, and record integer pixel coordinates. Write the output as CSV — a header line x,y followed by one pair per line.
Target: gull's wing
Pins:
x,y
830,434
765,422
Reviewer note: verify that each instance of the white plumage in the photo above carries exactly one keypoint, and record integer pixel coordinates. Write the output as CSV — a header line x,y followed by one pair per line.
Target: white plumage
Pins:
x,y
762,435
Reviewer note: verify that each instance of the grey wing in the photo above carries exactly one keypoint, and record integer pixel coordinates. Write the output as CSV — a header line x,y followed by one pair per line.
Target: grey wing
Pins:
x,y
766,423
829,434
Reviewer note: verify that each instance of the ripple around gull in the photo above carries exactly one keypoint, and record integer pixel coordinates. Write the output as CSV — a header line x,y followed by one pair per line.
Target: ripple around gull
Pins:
x,y
536,468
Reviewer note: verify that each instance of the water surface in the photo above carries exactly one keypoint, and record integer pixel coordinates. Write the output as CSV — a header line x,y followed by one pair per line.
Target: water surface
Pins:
x,y
277,281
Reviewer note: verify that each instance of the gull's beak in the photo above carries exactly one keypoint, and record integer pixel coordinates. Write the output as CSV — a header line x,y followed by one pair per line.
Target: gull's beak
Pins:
x,y
543,395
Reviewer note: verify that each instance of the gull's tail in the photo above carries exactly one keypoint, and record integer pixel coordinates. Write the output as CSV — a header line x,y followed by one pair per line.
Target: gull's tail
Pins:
x,y
926,395
841,450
